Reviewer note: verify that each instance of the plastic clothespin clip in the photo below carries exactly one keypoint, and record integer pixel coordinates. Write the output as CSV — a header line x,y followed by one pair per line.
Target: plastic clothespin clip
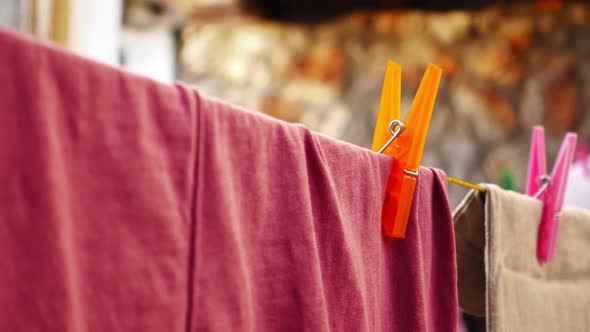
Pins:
x,y
549,189
407,149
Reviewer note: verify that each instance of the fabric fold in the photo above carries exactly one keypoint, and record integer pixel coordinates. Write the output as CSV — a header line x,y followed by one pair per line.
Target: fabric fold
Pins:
x,y
130,205
293,240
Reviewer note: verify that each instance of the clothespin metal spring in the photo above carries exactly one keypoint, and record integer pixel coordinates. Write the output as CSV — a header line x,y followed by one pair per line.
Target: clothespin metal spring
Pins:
x,y
546,182
396,128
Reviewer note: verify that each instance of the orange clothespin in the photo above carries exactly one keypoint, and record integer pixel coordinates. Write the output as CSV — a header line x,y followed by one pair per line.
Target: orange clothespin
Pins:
x,y
407,148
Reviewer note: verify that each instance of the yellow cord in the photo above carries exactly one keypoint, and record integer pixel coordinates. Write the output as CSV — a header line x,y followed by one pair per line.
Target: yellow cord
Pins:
x,y
466,184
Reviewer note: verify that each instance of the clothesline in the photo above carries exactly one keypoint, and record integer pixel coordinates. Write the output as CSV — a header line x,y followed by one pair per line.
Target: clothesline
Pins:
x,y
466,184
396,128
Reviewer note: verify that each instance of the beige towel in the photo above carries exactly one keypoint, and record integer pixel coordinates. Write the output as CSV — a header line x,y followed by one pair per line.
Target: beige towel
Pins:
x,y
498,271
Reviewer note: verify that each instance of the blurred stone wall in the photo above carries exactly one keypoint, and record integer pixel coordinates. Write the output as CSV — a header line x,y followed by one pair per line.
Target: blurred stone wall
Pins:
x,y
505,70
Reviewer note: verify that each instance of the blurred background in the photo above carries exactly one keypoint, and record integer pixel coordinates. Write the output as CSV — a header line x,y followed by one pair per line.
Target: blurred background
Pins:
x,y
507,65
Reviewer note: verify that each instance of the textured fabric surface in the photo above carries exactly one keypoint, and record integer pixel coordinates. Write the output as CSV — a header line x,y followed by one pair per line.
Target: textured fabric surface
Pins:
x,y
520,293
128,205
293,240
96,170
470,243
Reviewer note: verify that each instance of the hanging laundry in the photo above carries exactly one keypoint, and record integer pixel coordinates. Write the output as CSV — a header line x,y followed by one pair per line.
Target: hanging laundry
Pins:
x,y
96,173
289,237
129,205
500,276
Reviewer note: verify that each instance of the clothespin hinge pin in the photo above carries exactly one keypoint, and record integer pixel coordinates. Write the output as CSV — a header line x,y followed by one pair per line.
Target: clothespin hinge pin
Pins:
x,y
396,128
546,182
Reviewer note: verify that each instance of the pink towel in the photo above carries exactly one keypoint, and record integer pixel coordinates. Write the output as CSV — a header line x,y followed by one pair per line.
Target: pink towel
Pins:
x,y
288,235
133,206
96,174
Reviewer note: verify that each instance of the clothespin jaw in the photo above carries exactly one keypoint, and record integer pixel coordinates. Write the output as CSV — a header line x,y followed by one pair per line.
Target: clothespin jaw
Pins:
x,y
389,105
407,154
411,145
553,200
537,167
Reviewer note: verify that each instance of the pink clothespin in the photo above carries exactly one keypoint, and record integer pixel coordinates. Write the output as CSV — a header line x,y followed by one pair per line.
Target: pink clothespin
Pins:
x,y
549,189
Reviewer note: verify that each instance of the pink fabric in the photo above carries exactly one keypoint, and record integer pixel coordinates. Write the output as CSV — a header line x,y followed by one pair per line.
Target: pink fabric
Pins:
x,y
96,168
133,206
293,239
